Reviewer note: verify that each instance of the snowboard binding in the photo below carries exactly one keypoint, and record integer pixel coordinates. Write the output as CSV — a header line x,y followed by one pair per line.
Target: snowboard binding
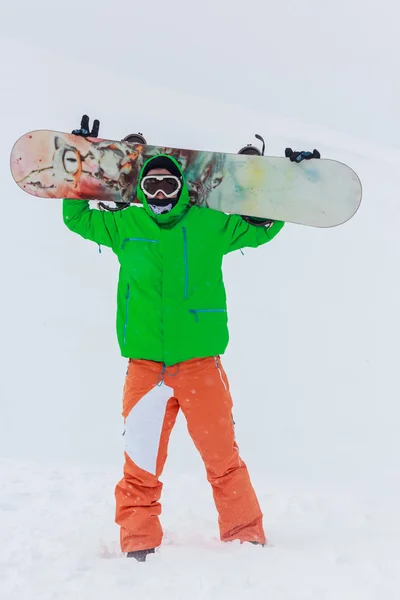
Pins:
x,y
253,150
135,138
113,208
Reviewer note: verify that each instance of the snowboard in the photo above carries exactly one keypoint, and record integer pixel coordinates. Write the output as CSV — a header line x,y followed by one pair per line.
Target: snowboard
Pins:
x,y
317,192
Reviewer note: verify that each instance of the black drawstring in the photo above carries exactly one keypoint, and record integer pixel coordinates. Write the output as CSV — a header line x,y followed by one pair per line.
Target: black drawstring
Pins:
x,y
164,371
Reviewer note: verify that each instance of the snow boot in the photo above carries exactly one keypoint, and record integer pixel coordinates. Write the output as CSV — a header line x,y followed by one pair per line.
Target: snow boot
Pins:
x,y
140,555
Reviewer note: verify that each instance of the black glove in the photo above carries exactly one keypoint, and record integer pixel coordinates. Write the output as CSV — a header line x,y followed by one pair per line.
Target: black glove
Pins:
x,y
84,129
258,221
297,157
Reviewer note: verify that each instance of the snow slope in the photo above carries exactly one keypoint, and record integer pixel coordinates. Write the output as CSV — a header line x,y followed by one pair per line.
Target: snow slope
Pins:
x,y
313,319
59,542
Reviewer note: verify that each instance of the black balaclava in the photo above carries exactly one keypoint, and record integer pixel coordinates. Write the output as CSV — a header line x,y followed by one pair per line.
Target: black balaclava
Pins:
x,y
163,205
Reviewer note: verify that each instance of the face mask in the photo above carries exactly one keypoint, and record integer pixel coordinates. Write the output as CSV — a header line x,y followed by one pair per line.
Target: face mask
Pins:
x,y
159,210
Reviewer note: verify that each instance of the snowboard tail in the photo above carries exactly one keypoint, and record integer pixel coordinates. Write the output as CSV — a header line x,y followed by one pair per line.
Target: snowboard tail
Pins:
x,y
319,193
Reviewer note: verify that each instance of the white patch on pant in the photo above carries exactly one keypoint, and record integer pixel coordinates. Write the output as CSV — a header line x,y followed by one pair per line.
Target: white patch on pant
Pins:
x,y
143,427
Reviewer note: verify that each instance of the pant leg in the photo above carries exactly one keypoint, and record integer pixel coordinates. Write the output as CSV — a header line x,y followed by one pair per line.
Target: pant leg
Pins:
x,y
202,390
149,411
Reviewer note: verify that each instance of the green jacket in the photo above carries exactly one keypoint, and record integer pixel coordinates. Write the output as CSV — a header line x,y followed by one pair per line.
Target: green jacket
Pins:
x,y
171,302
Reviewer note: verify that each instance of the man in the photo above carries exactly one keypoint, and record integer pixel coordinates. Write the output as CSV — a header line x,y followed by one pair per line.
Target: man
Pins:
x,y
172,326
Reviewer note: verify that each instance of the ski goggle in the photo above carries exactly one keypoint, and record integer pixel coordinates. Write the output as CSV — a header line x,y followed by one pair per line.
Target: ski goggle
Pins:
x,y
169,185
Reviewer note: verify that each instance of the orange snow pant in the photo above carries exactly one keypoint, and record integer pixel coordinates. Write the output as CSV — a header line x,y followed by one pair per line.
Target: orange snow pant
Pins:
x,y
152,397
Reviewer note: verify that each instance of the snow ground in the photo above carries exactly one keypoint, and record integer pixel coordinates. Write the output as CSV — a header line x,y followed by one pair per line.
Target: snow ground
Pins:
x,y
314,316
59,542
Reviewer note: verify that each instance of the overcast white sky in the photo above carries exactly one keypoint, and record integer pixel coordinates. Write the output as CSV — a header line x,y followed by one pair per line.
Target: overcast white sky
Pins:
x,y
334,64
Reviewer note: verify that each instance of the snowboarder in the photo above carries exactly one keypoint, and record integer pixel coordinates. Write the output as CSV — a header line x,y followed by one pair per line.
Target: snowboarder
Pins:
x,y
172,328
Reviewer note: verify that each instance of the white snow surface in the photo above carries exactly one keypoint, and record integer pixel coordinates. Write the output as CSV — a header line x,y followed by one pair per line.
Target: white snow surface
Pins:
x,y
314,316
60,543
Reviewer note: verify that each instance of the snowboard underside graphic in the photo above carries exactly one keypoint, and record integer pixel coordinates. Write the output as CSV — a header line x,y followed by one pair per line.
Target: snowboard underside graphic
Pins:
x,y
318,192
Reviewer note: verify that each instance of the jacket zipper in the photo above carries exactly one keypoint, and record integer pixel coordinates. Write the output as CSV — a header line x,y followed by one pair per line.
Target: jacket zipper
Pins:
x,y
185,260
127,296
138,240
206,310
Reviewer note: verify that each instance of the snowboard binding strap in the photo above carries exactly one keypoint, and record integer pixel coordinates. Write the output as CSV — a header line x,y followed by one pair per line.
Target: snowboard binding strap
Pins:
x,y
253,150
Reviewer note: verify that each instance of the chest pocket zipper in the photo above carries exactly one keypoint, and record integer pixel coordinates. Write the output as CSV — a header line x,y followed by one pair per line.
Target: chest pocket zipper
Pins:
x,y
126,240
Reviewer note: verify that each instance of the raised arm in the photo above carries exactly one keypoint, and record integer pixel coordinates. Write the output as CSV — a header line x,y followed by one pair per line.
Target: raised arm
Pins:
x,y
239,233
92,224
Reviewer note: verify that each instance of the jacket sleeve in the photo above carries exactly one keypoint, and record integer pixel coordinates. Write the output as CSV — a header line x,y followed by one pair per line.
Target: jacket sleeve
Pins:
x,y
240,234
94,225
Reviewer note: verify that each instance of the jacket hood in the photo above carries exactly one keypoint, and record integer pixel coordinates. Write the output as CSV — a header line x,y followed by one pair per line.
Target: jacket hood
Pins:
x,y
170,218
